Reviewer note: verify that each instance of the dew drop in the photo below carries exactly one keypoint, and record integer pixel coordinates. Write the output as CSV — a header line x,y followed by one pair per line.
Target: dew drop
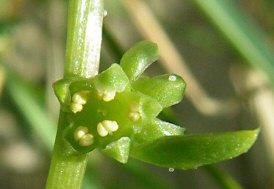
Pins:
x,y
172,78
105,13
171,170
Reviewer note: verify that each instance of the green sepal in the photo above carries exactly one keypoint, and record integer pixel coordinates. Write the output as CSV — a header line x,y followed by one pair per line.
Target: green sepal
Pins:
x,y
192,151
82,85
167,89
150,107
61,90
156,129
65,88
119,149
112,79
138,58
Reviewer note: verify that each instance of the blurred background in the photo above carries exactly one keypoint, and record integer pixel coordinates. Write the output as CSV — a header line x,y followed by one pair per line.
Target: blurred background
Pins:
x,y
222,48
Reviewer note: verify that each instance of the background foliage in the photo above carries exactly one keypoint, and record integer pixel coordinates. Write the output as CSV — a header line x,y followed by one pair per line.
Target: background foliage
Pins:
x,y
229,60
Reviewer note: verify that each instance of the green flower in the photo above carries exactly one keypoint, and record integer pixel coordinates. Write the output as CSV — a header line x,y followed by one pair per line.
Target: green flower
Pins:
x,y
117,110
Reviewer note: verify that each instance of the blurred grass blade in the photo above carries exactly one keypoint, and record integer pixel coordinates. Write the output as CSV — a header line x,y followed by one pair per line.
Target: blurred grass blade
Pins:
x,y
222,177
31,110
192,151
243,34
148,177
112,44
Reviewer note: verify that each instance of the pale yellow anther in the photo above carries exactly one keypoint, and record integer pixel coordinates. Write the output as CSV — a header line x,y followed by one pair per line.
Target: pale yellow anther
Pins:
x,y
100,93
80,97
86,140
107,127
134,112
78,100
134,116
75,107
106,95
80,132
82,136
101,130
110,126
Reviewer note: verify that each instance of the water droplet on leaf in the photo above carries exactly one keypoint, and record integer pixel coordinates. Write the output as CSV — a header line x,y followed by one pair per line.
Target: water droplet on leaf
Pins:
x,y
171,170
105,13
172,78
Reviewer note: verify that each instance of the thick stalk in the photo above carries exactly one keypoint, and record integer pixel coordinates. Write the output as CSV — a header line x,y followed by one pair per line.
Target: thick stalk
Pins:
x,y
84,36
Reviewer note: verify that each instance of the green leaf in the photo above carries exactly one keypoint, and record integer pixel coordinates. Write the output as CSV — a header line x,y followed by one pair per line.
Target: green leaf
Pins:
x,y
192,151
138,58
167,89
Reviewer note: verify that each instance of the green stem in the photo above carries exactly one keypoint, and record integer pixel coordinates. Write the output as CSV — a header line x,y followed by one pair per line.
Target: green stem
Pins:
x,y
67,170
84,38
85,18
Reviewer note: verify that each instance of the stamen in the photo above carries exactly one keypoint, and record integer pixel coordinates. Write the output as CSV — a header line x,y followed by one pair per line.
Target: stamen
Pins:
x,y
86,140
107,127
83,137
110,126
80,132
106,95
134,112
75,107
78,100
101,130
134,116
